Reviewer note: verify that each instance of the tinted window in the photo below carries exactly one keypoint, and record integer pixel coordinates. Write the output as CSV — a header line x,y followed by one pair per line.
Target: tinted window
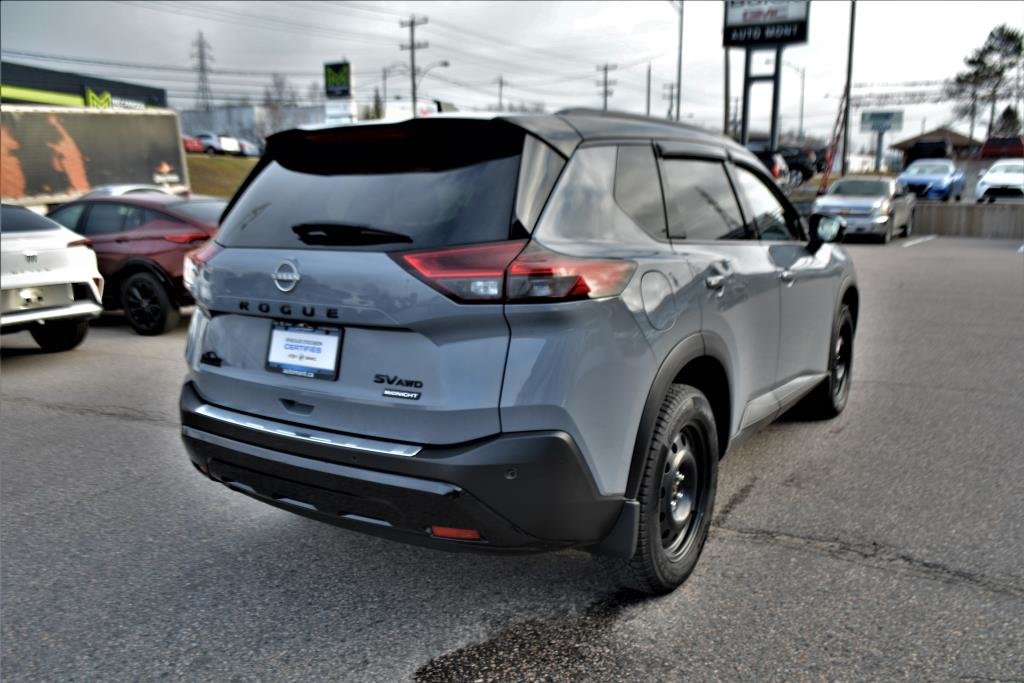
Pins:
x,y
18,219
204,212
700,201
68,215
537,175
638,189
135,217
582,208
105,218
769,214
417,184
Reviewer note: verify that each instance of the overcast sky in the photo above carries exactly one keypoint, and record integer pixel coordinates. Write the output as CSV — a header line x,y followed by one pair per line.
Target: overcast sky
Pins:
x,y
547,51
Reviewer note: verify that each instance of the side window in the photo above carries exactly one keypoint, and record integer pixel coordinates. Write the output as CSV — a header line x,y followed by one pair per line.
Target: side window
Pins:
x,y
538,172
152,216
638,190
135,217
68,215
701,202
582,207
104,219
767,212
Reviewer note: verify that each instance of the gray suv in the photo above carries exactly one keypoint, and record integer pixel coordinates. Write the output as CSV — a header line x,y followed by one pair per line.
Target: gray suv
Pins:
x,y
510,333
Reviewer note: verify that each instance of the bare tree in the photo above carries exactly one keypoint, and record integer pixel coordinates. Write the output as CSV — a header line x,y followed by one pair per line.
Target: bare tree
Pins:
x,y
277,97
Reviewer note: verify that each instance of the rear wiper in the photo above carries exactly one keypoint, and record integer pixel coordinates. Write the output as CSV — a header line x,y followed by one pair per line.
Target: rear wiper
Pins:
x,y
345,235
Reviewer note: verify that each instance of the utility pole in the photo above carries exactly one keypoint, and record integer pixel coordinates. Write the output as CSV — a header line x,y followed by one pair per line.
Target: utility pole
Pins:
x,y
849,79
648,89
411,24
776,93
204,96
679,62
670,95
605,84
501,87
803,76
725,113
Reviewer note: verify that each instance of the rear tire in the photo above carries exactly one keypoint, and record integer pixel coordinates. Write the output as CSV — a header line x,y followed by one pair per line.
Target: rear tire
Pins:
x,y
60,335
210,151
147,305
828,399
677,495
909,227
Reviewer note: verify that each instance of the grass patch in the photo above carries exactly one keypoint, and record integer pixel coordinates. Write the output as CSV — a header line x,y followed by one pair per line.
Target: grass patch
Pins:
x,y
218,176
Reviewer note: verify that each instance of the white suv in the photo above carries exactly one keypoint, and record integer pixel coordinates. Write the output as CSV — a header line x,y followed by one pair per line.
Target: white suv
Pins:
x,y
51,285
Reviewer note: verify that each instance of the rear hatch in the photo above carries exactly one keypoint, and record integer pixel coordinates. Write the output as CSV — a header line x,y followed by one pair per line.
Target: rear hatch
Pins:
x,y
311,241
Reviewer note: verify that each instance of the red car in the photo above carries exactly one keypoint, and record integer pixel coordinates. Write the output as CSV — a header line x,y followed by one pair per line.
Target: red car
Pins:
x,y
140,242
1011,147
191,145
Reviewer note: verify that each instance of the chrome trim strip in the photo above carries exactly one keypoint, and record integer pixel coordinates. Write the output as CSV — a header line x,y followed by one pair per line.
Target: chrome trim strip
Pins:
x,y
311,435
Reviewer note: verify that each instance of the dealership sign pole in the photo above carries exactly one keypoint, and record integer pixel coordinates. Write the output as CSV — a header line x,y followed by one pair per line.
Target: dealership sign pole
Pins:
x,y
879,122
759,25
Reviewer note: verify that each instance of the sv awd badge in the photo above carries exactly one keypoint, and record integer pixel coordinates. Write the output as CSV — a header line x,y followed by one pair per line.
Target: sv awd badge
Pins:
x,y
396,381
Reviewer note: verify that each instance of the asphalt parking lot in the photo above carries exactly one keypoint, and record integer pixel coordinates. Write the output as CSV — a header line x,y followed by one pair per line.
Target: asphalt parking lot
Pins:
x,y
886,543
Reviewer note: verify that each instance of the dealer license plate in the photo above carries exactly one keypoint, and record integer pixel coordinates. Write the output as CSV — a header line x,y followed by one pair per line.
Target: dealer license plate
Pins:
x,y
304,351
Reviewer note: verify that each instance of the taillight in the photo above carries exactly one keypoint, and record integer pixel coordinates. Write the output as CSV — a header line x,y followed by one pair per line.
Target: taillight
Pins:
x,y
471,274
776,170
205,253
186,238
504,271
80,243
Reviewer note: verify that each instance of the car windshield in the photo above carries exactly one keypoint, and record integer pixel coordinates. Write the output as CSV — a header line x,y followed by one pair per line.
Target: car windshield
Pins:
x,y
1008,167
204,212
18,219
861,188
929,169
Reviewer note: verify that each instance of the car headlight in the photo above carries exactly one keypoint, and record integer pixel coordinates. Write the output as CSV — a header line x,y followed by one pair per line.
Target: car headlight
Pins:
x,y
882,209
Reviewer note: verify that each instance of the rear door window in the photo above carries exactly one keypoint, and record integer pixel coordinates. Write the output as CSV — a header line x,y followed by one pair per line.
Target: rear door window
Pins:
x,y
414,185
105,218
700,201
68,215
769,214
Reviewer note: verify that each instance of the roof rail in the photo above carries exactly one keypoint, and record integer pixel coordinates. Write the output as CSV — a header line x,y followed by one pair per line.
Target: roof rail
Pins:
x,y
585,111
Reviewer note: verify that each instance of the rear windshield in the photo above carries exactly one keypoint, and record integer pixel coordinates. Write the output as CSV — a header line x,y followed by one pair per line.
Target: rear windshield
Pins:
x,y
204,211
18,219
405,186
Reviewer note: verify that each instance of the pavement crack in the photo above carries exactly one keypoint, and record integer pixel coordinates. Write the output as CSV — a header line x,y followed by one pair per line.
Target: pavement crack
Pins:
x,y
879,556
118,412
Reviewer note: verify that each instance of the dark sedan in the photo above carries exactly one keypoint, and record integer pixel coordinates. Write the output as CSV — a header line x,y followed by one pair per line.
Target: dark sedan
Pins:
x,y
140,242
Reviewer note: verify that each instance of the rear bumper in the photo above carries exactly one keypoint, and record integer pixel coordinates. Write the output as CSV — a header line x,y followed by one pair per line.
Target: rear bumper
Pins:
x,y
523,492
79,309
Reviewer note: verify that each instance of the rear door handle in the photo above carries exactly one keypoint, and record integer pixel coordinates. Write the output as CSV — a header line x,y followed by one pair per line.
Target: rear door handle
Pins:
x,y
715,281
786,276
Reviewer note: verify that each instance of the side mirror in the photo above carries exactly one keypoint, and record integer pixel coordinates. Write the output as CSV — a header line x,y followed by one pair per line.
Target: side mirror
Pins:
x,y
825,229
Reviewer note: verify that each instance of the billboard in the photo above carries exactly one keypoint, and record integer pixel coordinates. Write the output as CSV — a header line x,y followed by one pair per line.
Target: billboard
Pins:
x,y
53,154
338,80
751,23
881,121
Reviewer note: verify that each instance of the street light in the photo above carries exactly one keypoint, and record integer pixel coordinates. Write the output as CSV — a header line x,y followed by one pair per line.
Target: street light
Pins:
x,y
422,73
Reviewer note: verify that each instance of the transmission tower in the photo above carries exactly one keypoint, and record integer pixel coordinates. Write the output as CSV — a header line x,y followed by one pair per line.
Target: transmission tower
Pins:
x,y
203,58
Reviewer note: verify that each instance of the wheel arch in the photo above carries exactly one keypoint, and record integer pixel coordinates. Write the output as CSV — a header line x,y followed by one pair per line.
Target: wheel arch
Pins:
x,y
850,296
133,266
701,362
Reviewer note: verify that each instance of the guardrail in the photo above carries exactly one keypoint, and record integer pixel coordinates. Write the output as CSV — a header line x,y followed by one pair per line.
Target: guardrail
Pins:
x,y
966,219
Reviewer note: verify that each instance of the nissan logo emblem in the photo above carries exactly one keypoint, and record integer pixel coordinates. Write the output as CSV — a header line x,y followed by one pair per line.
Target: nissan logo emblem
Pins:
x,y
286,276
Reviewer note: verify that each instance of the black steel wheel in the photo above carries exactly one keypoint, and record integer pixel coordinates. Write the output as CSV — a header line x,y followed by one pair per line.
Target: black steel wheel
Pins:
x,y
677,495
147,305
829,398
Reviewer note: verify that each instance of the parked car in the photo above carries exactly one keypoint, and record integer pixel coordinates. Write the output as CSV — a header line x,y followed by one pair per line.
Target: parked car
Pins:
x,y
125,189
934,179
805,161
928,149
140,241
1011,147
248,149
498,334
1005,178
192,145
219,143
871,205
773,161
51,285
